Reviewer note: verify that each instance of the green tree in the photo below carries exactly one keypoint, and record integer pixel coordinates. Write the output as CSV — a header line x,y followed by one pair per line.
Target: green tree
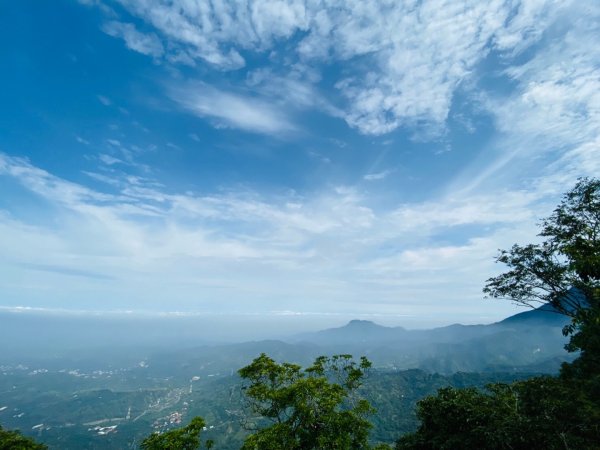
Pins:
x,y
544,412
563,270
13,440
539,413
185,438
312,408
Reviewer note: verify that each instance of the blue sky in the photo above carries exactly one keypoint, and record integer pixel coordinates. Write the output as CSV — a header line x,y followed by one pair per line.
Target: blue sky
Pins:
x,y
283,158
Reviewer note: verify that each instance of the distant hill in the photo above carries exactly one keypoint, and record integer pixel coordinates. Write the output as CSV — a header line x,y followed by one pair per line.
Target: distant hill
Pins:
x,y
528,341
69,396
356,331
531,341
545,315
522,342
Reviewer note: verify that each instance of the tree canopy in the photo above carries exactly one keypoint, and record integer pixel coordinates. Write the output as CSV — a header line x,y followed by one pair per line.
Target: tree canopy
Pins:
x,y
185,438
539,413
13,440
312,408
564,269
544,412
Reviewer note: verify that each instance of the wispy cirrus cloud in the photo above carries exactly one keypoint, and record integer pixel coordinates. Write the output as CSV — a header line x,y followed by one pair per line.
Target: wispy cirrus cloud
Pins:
x,y
233,110
217,32
66,271
108,159
552,118
403,62
147,44
104,100
375,176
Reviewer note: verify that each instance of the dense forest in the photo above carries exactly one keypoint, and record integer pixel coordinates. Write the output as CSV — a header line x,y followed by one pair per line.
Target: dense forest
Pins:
x,y
333,404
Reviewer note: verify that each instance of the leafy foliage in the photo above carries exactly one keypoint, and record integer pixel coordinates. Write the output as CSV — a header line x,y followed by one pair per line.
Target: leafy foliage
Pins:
x,y
544,412
13,440
312,408
540,413
564,269
185,438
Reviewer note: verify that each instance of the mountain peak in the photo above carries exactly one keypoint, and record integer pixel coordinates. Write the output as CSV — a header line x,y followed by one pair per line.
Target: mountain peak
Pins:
x,y
357,323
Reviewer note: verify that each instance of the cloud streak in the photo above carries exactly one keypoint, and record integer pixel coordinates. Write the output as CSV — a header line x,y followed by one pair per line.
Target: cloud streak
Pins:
x,y
375,176
147,44
231,110
67,271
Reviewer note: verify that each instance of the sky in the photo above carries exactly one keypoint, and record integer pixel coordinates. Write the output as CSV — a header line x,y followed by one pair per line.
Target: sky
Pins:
x,y
308,159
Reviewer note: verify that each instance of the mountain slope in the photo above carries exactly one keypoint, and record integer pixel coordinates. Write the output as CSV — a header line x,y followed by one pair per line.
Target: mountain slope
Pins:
x,y
528,339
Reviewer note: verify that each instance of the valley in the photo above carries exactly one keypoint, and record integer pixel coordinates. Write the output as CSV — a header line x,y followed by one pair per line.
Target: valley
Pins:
x,y
112,400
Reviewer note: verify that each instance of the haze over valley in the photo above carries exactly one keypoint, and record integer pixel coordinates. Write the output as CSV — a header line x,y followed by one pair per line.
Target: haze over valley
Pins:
x,y
125,379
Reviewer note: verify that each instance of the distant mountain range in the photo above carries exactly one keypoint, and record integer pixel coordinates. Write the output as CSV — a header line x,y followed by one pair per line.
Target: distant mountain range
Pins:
x,y
365,331
69,388
531,341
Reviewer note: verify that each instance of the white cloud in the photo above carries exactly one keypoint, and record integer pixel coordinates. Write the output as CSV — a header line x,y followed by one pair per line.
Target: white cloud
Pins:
x,y
550,123
293,89
232,110
378,175
216,31
109,160
45,184
503,206
147,44
423,53
114,142
531,20
81,140
270,251
104,100
403,61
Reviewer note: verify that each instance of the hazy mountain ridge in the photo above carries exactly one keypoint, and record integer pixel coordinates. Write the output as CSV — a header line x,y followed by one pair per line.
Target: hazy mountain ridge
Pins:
x,y
63,403
529,341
